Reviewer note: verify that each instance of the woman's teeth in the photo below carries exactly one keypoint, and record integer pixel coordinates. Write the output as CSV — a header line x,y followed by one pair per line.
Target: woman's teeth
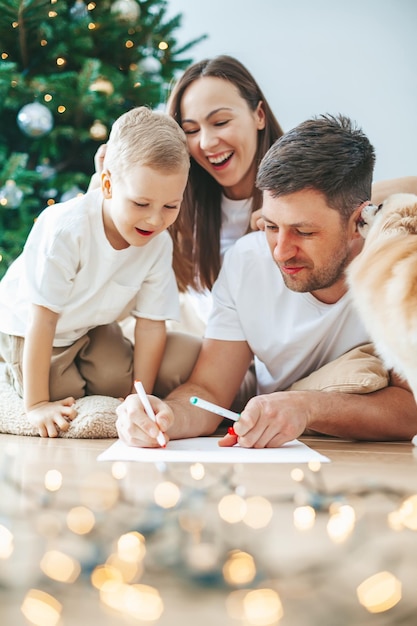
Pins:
x,y
220,159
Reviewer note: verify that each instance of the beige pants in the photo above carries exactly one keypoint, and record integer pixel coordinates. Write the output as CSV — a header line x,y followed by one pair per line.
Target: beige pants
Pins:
x,y
99,363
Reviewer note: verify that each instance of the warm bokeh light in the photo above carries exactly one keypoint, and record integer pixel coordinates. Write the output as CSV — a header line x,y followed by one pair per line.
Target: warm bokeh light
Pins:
x,y
297,475
144,603
141,602
60,566
304,517
6,542
167,494
163,45
131,547
379,592
341,523
258,512
232,508
129,570
262,607
80,520
53,480
197,471
408,512
119,470
239,569
105,574
41,609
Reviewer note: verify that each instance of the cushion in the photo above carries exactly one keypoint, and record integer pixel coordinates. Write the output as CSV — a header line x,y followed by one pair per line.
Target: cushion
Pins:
x,y
96,417
356,371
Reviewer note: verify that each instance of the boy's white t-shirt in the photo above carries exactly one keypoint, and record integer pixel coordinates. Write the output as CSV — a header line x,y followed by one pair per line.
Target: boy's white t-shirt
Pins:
x,y
69,267
291,334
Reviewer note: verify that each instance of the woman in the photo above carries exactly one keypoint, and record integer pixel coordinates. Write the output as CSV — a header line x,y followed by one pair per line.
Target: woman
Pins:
x,y
229,127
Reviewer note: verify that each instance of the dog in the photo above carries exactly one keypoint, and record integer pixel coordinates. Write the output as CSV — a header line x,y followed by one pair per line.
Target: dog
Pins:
x,y
382,281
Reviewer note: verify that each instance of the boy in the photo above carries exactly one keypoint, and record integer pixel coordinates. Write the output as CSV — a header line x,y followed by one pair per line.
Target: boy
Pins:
x,y
84,262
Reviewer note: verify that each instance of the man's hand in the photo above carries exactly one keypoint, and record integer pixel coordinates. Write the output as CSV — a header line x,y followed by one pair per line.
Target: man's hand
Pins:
x,y
271,420
52,417
135,428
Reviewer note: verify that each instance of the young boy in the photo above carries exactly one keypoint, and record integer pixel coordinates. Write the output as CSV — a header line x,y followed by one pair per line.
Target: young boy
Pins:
x,y
85,261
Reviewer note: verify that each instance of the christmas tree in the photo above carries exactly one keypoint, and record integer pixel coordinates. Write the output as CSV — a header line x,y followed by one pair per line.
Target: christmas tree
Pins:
x,y
68,69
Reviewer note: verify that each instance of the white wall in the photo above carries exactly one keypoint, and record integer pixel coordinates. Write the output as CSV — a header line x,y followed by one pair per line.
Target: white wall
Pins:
x,y
357,57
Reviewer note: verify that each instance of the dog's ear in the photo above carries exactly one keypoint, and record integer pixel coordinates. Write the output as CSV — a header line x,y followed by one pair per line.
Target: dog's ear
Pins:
x,y
403,220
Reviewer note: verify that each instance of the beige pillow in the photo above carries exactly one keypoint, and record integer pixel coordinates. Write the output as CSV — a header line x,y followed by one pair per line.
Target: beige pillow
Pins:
x,y
96,417
356,371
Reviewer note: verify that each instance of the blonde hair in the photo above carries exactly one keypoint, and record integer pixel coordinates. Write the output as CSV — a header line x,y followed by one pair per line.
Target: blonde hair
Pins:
x,y
145,137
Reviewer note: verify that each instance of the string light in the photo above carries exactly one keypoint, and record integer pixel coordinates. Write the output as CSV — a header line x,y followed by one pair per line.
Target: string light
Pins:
x,y
119,542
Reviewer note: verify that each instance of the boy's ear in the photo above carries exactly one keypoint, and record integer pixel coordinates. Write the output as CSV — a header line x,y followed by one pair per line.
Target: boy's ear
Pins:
x,y
106,186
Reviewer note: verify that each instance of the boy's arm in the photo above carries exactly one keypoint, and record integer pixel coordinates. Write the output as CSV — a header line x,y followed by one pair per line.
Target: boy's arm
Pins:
x,y
150,339
37,354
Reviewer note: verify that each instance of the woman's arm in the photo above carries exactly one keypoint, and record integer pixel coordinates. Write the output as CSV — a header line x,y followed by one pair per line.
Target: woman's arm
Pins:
x,y
384,188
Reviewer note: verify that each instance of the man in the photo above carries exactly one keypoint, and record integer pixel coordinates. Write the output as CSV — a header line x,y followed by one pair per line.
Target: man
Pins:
x,y
281,298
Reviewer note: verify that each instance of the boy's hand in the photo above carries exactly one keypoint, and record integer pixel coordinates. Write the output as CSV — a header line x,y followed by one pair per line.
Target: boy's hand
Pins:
x,y
135,428
52,417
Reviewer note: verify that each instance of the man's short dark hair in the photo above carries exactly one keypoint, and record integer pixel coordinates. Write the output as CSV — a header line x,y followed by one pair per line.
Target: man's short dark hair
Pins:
x,y
327,153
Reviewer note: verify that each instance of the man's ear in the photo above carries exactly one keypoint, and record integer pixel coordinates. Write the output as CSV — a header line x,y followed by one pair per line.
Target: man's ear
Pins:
x,y
106,185
356,222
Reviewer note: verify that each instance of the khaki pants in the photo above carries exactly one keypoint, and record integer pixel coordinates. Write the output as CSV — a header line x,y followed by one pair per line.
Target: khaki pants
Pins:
x,y
99,363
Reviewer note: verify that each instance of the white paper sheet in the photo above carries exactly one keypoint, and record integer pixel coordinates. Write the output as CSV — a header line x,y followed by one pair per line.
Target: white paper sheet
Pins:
x,y
206,450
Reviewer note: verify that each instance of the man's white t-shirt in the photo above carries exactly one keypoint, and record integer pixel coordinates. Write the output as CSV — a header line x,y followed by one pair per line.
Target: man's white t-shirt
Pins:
x,y
291,334
69,267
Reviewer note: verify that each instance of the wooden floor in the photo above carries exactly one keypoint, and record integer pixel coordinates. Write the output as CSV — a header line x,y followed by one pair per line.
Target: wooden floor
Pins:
x,y
189,575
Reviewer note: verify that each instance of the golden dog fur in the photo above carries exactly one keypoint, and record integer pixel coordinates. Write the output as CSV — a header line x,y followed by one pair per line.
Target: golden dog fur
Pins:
x,y
383,282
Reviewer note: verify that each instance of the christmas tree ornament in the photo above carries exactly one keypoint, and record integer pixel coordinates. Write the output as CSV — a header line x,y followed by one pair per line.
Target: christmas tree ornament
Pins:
x,y
126,11
149,65
10,195
48,193
102,85
98,131
78,11
45,169
35,120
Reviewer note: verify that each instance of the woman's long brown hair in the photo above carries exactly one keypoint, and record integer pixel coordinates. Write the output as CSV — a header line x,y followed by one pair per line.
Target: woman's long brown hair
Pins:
x,y
196,232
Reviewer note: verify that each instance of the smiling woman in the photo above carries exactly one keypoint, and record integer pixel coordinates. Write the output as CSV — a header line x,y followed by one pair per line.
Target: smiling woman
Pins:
x,y
229,127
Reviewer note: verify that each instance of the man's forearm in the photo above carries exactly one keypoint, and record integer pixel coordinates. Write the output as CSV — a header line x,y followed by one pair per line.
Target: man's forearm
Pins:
x,y
386,415
191,421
